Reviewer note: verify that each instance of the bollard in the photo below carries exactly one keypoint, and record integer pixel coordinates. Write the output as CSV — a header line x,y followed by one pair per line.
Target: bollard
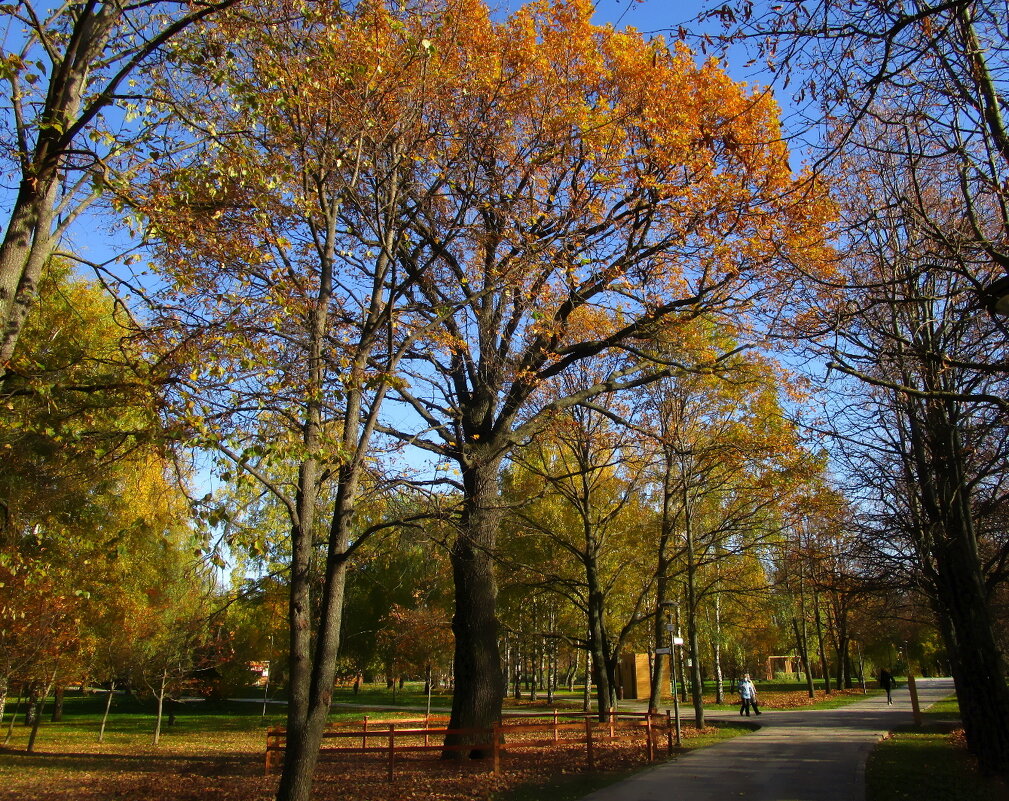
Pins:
x,y
912,688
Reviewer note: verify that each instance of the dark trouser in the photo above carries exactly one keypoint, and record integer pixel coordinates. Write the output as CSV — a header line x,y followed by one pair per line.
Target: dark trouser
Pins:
x,y
747,703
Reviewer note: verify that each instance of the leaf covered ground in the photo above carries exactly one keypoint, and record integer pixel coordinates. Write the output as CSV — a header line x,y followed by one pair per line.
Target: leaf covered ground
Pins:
x,y
207,765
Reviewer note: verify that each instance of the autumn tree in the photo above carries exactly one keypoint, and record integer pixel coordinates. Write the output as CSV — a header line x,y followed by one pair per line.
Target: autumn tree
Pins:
x,y
578,185
924,440
68,80
61,447
404,585
454,195
583,481
912,101
725,463
278,235
89,496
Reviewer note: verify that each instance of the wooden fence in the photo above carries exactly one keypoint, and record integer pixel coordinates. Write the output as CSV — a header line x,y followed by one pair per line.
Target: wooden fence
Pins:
x,y
391,737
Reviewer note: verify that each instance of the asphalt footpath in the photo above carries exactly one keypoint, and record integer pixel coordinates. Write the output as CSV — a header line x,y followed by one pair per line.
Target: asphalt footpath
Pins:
x,y
796,755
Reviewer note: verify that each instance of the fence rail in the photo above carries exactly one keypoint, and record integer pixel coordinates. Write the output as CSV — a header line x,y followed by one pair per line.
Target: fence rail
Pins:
x,y
494,740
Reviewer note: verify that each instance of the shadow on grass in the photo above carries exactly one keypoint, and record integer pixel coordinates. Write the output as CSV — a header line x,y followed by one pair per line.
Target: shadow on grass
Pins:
x,y
929,762
218,765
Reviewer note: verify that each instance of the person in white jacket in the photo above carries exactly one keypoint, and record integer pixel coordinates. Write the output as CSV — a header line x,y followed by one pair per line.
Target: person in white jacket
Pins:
x,y
748,695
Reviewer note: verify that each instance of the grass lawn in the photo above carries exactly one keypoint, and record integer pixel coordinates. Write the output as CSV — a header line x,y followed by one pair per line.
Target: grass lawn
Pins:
x,y
929,763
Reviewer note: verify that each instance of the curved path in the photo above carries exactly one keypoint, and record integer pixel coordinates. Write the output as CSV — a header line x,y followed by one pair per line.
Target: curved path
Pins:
x,y
806,755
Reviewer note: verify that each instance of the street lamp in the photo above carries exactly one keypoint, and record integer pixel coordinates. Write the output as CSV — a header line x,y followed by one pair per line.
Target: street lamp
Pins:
x,y
995,296
674,642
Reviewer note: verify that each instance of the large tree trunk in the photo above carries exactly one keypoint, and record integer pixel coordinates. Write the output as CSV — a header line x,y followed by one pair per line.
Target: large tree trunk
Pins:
x,y
316,675
299,758
479,685
57,714
980,678
603,661
979,667
28,240
660,639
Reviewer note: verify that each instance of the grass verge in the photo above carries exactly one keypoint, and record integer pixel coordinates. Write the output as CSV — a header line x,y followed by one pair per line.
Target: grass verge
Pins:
x,y
931,762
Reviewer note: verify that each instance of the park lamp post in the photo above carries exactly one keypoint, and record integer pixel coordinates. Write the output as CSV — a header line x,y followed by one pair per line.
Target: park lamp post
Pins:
x,y
995,296
266,675
674,642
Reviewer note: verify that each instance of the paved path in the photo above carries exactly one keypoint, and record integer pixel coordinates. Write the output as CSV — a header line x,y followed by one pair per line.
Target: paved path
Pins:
x,y
809,755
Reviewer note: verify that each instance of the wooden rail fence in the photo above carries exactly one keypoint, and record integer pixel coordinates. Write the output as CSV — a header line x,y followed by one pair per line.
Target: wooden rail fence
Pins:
x,y
392,737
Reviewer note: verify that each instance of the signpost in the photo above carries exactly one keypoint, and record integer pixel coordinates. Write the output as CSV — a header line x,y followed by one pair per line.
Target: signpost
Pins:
x,y
671,650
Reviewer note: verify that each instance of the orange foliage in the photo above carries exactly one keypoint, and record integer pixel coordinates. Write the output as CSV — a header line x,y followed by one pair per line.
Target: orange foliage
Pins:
x,y
574,180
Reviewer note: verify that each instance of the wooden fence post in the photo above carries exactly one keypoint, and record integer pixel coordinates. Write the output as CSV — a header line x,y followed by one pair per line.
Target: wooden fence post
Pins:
x,y
612,715
272,739
669,733
364,736
588,741
650,748
392,747
495,747
555,727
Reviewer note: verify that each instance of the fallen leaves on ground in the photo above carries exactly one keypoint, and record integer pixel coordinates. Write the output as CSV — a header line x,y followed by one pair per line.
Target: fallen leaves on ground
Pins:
x,y
229,767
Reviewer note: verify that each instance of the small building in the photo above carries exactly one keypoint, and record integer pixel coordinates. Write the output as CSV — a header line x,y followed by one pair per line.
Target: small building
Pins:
x,y
636,678
783,664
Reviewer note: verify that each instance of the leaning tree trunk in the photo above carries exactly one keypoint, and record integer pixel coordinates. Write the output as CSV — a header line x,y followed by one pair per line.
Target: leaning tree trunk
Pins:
x,y
479,685
37,720
105,713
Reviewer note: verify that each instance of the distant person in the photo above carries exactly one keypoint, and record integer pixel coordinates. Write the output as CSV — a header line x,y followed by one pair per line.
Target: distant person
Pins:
x,y
748,695
887,683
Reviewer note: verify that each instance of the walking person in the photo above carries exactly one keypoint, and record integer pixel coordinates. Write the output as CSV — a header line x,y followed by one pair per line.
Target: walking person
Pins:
x,y
748,695
887,683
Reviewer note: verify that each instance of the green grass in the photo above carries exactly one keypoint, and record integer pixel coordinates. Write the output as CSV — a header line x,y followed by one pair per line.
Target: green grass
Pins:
x,y
573,786
946,709
132,720
915,764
